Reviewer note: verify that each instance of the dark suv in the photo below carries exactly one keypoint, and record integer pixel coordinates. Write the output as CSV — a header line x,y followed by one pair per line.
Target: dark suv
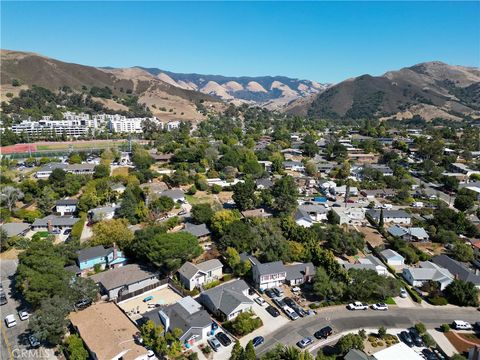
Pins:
x,y
272,311
224,339
324,333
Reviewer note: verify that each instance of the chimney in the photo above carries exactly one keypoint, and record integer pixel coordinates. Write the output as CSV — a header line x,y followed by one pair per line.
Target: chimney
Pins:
x,y
115,251
49,225
307,271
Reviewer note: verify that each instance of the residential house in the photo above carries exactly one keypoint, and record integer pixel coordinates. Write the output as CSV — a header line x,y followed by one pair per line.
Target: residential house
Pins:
x,y
188,316
98,256
66,206
53,222
397,351
108,334
392,257
408,234
459,270
302,218
298,274
126,281
195,275
355,354
266,275
228,300
15,229
350,215
200,231
341,190
316,212
427,271
118,188
256,213
45,171
463,169
294,166
391,216
102,213
368,263
264,183
177,195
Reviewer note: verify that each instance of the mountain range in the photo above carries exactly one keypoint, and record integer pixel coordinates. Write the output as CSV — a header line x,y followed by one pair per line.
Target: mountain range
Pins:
x,y
431,90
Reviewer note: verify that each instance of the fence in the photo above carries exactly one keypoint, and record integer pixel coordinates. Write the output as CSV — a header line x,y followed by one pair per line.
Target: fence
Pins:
x,y
129,295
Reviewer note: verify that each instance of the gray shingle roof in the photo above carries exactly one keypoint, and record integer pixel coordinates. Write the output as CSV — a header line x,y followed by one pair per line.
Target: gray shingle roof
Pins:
x,y
14,229
375,214
93,253
456,268
297,271
210,265
390,254
123,275
174,194
188,270
55,221
273,267
67,202
197,230
227,297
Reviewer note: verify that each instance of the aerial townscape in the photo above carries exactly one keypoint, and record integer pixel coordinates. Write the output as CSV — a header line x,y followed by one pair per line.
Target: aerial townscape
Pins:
x,y
148,214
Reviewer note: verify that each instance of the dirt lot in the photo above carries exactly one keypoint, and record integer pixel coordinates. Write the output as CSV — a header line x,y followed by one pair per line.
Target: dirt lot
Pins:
x,y
429,248
372,236
462,341
135,307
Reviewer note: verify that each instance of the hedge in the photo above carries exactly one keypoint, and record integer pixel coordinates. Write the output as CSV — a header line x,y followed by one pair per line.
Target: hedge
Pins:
x,y
78,227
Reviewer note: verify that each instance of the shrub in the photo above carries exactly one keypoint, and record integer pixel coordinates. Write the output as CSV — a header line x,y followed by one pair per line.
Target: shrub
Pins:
x,y
445,328
314,306
374,345
372,339
211,284
420,327
437,300
216,189
207,349
379,343
227,277
243,324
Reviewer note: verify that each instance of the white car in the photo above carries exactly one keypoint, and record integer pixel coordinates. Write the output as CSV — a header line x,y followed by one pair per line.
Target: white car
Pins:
x,y
462,325
260,301
403,293
23,315
357,305
10,321
380,306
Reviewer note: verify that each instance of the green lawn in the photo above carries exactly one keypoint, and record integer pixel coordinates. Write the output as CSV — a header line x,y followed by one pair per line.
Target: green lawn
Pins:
x,y
390,301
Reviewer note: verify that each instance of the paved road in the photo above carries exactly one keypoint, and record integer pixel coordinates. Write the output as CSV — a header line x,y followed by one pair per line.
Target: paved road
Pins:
x,y
430,190
14,344
342,319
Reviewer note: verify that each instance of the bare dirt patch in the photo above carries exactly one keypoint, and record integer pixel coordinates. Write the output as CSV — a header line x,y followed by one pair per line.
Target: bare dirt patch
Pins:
x,y
462,341
372,236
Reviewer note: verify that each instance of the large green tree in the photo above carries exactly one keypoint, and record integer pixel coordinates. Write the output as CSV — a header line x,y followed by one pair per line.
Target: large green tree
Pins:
x,y
462,293
285,193
244,195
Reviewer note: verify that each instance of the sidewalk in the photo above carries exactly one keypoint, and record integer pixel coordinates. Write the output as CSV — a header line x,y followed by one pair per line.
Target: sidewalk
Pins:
x,y
443,342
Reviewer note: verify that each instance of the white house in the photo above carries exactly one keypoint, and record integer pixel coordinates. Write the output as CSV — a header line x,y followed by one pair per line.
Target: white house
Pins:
x,y
391,216
427,271
294,166
195,275
66,206
392,257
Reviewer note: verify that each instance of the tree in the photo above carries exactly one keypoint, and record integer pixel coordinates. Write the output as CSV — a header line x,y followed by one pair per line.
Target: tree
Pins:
x,y
153,338
202,213
168,250
101,171
285,194
239,267
332,217
367,285
382,332
75,348
249,351
128,206
161,205
49,322
462,252
463,202
74,158
10,195
108,232
244,195
381,221
421,328
46,200
325,287
237,352
348,342
462,293
221,219
428,340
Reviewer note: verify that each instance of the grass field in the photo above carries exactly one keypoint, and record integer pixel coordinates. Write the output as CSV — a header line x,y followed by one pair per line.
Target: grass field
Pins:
x,y
123,171
79,145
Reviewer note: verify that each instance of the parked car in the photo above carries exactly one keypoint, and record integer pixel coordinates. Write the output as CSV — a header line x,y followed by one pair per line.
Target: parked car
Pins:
x,y
278,291
260,301
270,293
10,321
224,339
257,341
407,339
67,232
417,339
82,304
288,301
429,354
302,344
323,333
290,313
214,343
357,305
279,302
33,341
272,311
23,315
299,310
461,325
403,293
440,356
380,306
3,299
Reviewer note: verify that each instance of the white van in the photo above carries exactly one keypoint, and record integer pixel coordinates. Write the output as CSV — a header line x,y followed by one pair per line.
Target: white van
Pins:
x,y
462,325
10,321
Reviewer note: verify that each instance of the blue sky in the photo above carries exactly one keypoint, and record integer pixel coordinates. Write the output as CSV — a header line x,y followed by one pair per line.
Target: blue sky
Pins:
x,y
322,41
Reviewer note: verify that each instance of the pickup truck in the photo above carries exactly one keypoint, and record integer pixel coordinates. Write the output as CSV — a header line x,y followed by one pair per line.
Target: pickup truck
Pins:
x,y
357,305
